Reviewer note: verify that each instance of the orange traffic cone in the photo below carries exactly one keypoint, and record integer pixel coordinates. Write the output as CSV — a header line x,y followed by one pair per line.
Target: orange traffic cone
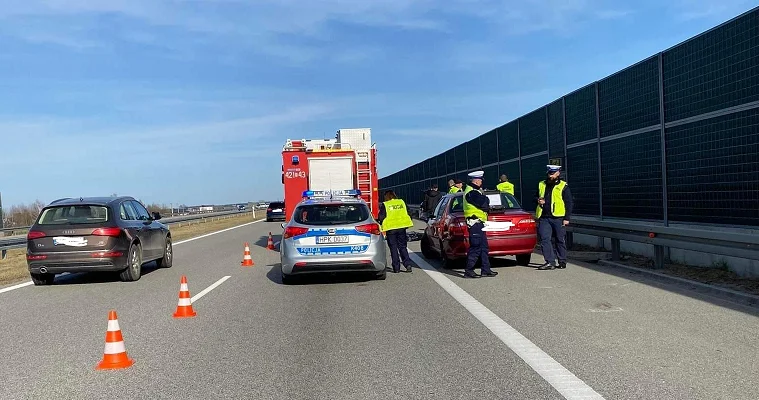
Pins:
x,y
247,261
270,244
184,308
114,355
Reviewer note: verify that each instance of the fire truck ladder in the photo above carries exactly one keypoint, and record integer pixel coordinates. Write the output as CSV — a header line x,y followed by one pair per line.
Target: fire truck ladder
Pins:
x,y
364,171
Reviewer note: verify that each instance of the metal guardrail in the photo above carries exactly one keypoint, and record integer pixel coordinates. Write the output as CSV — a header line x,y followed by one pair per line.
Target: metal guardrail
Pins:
x,y
705,240
20,241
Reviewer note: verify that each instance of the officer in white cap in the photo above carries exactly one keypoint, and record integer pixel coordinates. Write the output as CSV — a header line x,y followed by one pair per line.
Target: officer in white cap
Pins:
x,y
476,207
553,213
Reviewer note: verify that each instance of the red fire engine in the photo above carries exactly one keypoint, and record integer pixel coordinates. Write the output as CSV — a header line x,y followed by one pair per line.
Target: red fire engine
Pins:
x,y
347,162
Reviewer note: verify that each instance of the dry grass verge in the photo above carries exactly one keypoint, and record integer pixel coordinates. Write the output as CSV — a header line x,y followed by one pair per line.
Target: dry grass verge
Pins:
x,y
717,275
13,268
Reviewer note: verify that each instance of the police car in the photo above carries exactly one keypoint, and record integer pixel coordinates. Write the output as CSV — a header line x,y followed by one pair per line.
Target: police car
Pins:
x,y
332,232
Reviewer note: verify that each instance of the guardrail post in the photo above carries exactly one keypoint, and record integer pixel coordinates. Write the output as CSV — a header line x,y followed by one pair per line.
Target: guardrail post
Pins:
x,y
3,254
615,249
658,257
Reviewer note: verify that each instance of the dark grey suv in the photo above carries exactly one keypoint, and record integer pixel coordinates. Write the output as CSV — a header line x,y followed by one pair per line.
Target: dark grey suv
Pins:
x,y
275,211
96,234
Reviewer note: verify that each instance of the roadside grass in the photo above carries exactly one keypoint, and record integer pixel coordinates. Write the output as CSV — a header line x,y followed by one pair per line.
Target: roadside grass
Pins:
x,y
13,268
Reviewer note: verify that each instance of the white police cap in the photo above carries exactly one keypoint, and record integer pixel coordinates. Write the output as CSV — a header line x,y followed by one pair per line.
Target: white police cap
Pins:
x,y
476,174
553,168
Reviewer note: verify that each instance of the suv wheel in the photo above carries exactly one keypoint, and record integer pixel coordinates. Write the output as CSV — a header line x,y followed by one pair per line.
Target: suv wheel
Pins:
x,y
168,255
42,279
133,270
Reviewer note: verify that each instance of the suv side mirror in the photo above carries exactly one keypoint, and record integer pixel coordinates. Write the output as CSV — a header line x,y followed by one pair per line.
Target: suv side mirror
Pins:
x,y
282,225
156,215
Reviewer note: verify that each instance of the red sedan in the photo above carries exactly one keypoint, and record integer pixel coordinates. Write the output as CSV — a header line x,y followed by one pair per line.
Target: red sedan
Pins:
x,y
510,231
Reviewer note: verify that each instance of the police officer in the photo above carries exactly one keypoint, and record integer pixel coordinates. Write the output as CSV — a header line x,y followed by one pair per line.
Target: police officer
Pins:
x,y
553,213
505,186
476,207
394,220
456,185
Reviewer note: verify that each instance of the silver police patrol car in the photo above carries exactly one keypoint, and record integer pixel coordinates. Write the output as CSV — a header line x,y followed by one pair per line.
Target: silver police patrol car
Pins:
x,y
332,232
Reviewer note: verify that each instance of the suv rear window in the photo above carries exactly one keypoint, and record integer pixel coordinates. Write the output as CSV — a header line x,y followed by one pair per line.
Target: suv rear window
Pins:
x,y
75,214
331,214
277,205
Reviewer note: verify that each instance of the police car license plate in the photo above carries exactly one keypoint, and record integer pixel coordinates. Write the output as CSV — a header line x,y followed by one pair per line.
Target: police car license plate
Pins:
x,y
331,239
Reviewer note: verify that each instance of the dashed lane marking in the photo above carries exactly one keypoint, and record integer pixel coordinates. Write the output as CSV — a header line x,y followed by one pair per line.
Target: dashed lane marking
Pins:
x,y
25,284
208,289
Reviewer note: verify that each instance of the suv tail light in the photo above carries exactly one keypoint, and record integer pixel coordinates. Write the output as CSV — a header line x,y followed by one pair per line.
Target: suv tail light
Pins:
x,y
457,228
372,228
115,232
35,235
268,209
291,231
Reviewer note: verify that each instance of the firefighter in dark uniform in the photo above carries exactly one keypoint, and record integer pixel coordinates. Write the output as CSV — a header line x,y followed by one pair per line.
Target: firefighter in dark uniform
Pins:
x,y
476,207
553,213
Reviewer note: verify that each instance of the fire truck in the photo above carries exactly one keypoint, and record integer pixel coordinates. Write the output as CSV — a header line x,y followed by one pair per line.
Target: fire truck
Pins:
x,y
346,162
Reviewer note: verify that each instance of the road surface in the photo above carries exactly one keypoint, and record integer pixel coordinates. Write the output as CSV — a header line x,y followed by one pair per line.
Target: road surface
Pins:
x,y
525,334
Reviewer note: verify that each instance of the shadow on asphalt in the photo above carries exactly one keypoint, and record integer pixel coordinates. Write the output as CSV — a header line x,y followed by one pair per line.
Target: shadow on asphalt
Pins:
x,y
263,241
275,276
82,278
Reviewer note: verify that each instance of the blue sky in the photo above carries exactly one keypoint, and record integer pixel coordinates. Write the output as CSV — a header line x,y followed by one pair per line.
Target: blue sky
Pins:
x,y
190,101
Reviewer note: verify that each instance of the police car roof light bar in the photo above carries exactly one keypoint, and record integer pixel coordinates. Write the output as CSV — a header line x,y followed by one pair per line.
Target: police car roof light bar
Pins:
x,y
331,194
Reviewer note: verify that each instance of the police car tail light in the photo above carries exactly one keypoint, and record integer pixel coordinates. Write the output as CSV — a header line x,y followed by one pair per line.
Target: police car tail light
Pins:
x,y
372,228
291,231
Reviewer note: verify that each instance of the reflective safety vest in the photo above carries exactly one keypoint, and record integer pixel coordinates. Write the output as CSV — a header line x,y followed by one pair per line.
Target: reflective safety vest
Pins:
x,y
397,216
454,189
470,210
506,187
558,209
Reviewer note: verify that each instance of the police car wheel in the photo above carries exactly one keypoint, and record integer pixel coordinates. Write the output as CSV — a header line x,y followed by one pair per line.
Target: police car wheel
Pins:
x,y
288,279
381,276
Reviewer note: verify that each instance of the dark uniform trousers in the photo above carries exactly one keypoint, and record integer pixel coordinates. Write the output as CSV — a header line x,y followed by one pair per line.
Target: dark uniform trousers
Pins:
x,y
478,248
549,227
397,240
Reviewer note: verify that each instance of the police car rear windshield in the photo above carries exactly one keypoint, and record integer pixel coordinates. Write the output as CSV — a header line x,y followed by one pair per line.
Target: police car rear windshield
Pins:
x,y
331,214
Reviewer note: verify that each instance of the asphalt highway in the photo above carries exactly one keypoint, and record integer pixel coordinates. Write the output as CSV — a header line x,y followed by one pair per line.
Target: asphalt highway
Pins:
x,y
525,334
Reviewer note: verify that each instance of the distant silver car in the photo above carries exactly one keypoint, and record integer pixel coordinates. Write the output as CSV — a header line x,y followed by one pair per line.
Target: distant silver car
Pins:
x,y
332,235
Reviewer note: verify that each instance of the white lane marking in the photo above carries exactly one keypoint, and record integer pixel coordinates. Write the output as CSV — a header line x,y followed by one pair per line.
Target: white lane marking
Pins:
x,y
20,285
208,289
217,232
565,382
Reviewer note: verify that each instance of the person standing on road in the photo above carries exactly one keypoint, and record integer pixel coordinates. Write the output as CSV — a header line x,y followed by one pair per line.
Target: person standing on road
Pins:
x,y
505,186
456,185
431,198
476,207
394,219
553,212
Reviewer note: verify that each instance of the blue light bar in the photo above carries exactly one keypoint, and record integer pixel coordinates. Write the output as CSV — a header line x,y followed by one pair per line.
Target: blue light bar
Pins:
x,y
331,194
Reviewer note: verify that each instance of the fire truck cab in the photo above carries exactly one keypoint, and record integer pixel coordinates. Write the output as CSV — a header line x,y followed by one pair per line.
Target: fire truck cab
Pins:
x,y
346,162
